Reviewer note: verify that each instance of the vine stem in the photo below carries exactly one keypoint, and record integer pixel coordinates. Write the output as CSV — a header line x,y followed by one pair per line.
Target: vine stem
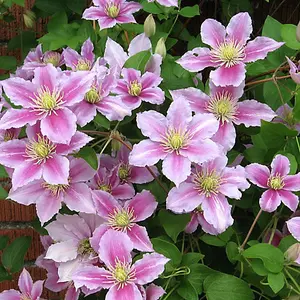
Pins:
x,y
273,231
267,73
251,229
267,80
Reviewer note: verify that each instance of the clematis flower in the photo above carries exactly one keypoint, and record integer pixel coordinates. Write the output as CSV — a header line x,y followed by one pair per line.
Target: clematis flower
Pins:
x,y
134,88
166,3
279,184
153,292
9,134
124,218
223,104
178,139
46,98
229,50
28,289
120,276
294,227
49,197
207,189
72,248
98,98
294,71
285,116
108,13
37,157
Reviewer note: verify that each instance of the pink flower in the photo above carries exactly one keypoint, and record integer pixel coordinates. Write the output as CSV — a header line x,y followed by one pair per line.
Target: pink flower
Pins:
x,y
285,116
207,189
120,276
72,248
294,227
49,197
294,71
151,292
134,88
177,139
279,184
9,134
108,13
197,218
29,290
124,218
224,106
229,50
166,3
98,98
46,98
38,157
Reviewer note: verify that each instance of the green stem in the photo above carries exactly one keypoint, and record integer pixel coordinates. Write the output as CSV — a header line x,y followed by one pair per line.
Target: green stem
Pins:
x,y
293,280
298,145
273,231
175,20
171,291
292,269
182,246
260,294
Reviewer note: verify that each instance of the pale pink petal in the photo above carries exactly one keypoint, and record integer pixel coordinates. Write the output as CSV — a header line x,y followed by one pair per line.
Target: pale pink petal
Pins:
x,y
140,43
118,247
218,164
154,292
62,251
128,292
294,227
97,235
260,47
149,267
280,165
240,28
167,3
123,191
289,199
140,239
269,200
46,77
183,199
152,124
212,33
229,76
71,58
149,80
146,153
37,289
193,224
235,92
12,153
87,50
154,63
153,95
92,13
176,167
25,282
114,54
196,60
294,71
84,112
258,174
113,108
12,295
129,8
251,112
105,203
179,115
225,136
72,294
56,170
141,175
80,170
206,227
292,182
143,205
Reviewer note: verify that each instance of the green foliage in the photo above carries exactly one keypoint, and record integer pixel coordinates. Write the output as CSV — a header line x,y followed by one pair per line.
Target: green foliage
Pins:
x,y
138,61
89,155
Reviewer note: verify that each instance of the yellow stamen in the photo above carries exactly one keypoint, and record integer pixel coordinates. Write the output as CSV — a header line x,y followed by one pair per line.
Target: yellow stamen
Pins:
x,y
135,88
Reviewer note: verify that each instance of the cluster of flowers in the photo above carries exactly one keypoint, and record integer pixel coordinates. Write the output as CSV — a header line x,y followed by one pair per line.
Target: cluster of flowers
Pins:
x,y
93,250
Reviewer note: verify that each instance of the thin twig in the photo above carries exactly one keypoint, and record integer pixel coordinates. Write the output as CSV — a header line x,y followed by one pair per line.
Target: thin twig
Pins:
x,y
267,80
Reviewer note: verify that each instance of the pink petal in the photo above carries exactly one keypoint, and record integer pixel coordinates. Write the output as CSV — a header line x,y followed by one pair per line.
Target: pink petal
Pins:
x,y
11,295
196,60
294,71
280,165
56,170
84,112
292,182
235,92
80,170
72,294
140,43
12,153
130,8
149,80
152,124
114,54
258,174
251,112
179,115
140,239
289,199
25,282
117,248
146,153
97,235
196,98
105,203
260,47
229,76
92,13
113,108
60,126
71,58
154,292
212,33
123,191
240,28
25,173
149,267
141,175
46,77
37,289
62,251
193,224
206,227
154,63
176,167
143,205
153,95
128,292
87,50
183,199
294,227
269,200
225,136
167,3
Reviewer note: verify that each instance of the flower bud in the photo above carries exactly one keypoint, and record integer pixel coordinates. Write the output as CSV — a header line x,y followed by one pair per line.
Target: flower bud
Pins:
x,y
149,26
29,18
298,32
293,252
115,144
161,48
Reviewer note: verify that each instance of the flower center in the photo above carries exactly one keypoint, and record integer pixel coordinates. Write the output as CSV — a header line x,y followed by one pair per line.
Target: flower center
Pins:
x,y
121,219
40,150
223,106
52,57
92,96
55,189
175,140
135,88
104,187
8,135
207,183
85,248
83,65
275,182
123,172
228,54
25,297
112,10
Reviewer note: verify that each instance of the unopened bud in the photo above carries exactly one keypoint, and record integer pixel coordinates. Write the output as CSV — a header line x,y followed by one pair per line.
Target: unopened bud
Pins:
x,y
161,48
293,253
29,18
298,32
149,26
115,144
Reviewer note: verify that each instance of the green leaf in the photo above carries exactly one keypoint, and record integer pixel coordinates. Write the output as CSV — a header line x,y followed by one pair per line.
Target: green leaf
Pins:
x,y
138,61
57,20
187,291
19,2
101,121
76,5
4,275
151,7
190,11
173,224
212,240
3,193
168,249
223,286
50,6
258,267
90,156
288,33
191,258
286,243
272,257
8,62
232,251
296,109
13,254
3,241
276,281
